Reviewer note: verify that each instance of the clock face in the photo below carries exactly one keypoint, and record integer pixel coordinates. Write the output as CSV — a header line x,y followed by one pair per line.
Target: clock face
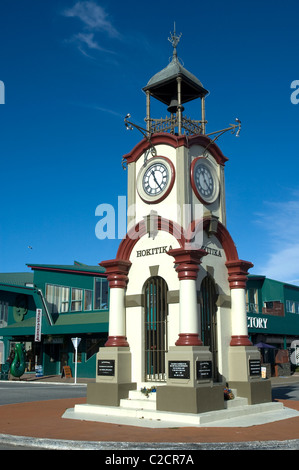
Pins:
x,y
155,179
204,180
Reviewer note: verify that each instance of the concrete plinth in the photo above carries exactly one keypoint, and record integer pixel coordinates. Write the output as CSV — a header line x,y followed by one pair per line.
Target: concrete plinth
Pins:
x,y
190,400
245,377
113,377
108,394
113,365
256,391
190,387
189,366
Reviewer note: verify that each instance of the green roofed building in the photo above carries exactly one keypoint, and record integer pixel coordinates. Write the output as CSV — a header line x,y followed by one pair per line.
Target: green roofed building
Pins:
x,y
69,301
273,322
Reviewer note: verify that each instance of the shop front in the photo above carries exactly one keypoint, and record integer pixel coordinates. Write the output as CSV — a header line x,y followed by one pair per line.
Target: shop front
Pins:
x,y
44,311
273,322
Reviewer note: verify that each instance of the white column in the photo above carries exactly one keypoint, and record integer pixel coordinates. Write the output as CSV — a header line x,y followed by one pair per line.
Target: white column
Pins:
x,y
237,278
117,275
187,265
188,306
117,312
238,313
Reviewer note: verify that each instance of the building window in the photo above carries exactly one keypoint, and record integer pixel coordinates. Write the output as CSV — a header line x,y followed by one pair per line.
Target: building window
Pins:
x,y
76,304
252,301
3,313
273,307
87,299
57,298
292,306
101,293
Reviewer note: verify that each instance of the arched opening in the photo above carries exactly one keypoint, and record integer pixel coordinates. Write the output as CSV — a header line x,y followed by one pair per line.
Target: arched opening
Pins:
x,y
155,328
209,320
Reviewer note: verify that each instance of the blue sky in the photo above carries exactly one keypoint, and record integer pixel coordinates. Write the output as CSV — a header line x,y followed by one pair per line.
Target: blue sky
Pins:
x,y
72,71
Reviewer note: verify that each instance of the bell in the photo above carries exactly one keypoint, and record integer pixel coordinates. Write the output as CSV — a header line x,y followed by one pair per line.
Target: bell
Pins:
x,y
173,107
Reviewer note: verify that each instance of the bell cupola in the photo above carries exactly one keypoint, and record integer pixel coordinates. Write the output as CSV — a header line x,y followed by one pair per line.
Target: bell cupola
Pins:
x,y
174,86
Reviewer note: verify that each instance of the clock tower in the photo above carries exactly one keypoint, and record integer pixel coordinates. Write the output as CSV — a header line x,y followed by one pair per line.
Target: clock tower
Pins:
x,y
177,312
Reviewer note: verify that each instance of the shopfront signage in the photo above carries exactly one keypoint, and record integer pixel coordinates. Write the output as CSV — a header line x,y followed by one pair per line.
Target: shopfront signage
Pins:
x,y
179,369
38,325
255,322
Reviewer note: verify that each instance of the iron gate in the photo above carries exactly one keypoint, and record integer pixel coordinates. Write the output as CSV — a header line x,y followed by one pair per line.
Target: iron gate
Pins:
x,y
155,328
209,319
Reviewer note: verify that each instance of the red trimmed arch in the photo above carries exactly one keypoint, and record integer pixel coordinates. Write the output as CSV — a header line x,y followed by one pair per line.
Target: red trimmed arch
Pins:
x,y
139,230
222,235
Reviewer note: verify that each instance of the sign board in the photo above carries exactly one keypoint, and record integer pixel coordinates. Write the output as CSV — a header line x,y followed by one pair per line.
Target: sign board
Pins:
x,y
254,367
76,342
106,367
264,372
179,369
66,372
38,325
203,370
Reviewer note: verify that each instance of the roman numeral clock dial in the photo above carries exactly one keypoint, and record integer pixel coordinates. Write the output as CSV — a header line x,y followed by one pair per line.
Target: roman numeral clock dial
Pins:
x,y
155,179
204,180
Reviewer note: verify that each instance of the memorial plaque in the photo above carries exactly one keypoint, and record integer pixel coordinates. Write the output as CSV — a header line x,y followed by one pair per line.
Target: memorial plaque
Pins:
x,y
106,367
254,367
179,369
203,370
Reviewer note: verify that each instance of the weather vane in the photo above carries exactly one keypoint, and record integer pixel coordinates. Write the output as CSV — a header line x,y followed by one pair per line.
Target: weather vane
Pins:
x,y
174,40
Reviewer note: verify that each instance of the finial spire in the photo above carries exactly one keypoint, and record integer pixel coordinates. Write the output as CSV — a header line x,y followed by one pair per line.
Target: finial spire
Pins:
x,y
174,40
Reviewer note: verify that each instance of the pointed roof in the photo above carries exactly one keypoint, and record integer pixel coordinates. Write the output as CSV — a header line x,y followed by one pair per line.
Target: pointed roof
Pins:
x,y
163,85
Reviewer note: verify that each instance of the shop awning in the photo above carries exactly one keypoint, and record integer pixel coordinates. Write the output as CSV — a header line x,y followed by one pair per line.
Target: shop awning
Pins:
x,y
264,346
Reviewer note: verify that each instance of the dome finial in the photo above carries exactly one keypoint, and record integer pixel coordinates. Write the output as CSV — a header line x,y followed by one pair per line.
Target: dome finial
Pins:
x,y
174,40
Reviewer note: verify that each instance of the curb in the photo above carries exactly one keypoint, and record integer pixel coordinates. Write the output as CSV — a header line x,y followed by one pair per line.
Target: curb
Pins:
x,y
43,383
50,444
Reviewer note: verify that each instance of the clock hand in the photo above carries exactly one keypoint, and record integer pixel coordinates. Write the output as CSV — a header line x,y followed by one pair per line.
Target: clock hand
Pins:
x,y
206,181
153,173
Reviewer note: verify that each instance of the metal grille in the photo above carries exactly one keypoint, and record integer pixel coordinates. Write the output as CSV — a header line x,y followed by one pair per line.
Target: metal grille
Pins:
x,y
155,328
209,320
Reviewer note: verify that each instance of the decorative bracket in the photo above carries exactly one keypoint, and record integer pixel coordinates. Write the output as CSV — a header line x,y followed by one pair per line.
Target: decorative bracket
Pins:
x,y
146,134
231,128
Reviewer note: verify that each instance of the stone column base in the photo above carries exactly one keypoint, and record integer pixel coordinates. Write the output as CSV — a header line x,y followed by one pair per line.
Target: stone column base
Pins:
x,y
113,377
256,391
245,375
189,366
190,400
190,387
113,365
108,394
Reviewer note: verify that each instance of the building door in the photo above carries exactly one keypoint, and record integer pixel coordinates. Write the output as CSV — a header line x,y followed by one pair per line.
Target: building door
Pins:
x,y
155,328
209,320
51,359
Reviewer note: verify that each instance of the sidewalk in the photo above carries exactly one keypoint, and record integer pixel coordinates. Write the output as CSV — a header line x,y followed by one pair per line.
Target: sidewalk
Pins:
x,y
43,421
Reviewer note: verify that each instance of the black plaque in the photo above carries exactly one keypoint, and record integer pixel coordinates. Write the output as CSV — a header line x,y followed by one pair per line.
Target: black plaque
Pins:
x,y
254,367
179,369
106,367
203,370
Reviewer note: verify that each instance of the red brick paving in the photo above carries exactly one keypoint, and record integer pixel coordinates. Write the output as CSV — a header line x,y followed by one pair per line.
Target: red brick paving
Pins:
x,y
43,419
